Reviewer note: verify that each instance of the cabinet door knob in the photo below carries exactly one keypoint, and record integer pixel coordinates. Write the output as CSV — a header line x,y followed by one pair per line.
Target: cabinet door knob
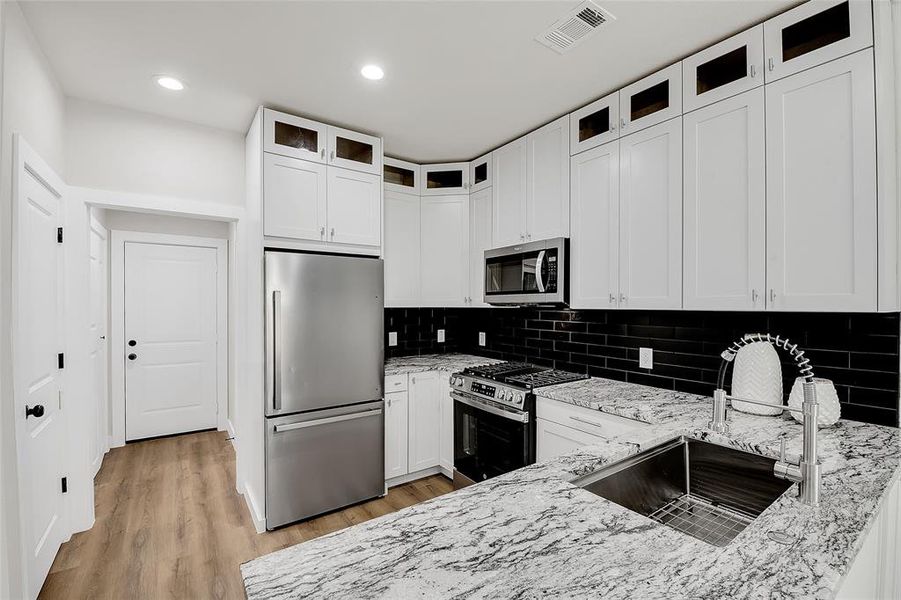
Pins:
x,y
612,298
132,356
321,232
772,294
36,411
622,297
333,156
333,233
622,123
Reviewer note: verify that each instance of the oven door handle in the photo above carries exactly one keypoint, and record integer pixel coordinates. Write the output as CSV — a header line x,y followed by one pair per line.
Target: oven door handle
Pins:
x,y
521,417
539,265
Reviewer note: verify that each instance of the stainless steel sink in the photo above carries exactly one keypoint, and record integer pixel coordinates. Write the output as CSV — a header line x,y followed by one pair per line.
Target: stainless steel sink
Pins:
x,y
707,491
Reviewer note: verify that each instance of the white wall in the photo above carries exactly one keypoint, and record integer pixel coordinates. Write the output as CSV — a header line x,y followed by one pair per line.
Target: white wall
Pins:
x,y
123,150
34,106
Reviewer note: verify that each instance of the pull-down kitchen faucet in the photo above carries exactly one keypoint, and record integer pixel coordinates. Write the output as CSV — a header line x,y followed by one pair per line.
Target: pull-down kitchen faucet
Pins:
x,y
807,473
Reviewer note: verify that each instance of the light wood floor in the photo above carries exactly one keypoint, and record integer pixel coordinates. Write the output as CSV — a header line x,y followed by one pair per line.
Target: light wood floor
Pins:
x,y
169,524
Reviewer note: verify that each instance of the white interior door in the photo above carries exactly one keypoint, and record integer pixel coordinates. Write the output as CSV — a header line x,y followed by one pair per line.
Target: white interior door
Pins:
x,y
170,339
40,424
97,327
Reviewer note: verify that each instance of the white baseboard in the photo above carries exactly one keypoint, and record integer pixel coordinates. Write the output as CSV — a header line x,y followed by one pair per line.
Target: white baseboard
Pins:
x,y
417,475
256,515
230,428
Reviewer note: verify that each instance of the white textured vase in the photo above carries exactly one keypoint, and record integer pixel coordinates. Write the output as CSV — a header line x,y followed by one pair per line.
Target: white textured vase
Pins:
x,y
829,410
757,375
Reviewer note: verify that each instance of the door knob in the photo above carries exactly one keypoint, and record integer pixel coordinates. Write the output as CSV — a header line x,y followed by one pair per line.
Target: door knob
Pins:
x,y
34,411
132,356
132,343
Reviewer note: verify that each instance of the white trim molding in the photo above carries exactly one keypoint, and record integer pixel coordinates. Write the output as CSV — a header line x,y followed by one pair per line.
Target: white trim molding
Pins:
x,y
117,320
160,205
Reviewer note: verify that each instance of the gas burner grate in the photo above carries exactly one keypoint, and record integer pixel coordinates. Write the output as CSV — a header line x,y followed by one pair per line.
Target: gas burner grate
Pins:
x,y
545,378
497,370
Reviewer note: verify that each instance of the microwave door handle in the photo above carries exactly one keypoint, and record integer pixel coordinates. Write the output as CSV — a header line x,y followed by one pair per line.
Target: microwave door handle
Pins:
x,y
539,265
276,350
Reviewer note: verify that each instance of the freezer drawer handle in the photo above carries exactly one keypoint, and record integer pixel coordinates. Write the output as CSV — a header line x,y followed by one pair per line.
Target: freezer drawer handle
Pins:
x,y
327,420
277,350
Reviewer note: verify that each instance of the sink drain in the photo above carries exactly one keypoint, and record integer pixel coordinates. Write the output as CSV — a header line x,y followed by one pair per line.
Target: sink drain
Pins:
x,y
780,537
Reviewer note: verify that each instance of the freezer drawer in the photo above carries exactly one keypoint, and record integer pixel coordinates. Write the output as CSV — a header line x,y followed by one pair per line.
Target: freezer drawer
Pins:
x,y
323,460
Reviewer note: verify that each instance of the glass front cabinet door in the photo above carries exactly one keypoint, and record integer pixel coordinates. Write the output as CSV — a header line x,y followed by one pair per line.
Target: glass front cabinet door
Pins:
x,y
731,67
401,176
292,136
352,150
595,124
445,179
651,100
814,33
480,173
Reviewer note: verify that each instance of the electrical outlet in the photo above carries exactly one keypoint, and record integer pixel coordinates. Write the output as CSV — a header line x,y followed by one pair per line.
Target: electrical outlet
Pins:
x,y
481,338
392,338
646,358
440,336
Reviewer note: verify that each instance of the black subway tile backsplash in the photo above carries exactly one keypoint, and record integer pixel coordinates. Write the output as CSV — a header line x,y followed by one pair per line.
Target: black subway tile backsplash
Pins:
x,y
859,352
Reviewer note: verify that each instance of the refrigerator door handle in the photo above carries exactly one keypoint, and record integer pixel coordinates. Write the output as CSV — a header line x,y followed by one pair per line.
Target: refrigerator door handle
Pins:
x,y
276,350
327,420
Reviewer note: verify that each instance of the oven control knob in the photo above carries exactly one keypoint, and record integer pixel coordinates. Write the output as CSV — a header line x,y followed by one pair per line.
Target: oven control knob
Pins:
x,y
508,395
517,398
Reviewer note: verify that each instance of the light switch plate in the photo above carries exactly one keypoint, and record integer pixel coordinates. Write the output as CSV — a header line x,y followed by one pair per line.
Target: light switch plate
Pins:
x,y
392,338
440,336
481,338
646,358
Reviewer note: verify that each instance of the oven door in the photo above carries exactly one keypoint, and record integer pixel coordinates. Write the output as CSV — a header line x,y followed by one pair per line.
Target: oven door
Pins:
x,y
529,273
490,440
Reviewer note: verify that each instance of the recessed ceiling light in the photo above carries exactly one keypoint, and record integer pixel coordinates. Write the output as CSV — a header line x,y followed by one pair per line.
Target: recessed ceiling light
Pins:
x,y
372,72
169,82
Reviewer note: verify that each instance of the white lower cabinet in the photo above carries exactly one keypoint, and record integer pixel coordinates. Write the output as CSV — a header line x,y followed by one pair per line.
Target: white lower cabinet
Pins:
x,y
650,217
419,426
562,428
424,426
821,188
724,211
395,434
444,264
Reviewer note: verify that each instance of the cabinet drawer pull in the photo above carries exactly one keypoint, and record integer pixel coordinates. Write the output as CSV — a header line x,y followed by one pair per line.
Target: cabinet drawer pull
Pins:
x,y
753,71
587,422
322,154
333,156
772,295
612,298
771,64
754,296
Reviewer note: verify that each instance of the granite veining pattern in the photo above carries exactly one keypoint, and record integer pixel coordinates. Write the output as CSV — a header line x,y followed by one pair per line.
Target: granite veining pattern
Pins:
x,y
532,534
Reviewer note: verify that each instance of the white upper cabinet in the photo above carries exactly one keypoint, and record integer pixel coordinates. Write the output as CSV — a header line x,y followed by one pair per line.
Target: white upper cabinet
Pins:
x,y
352,150
724,205
814,33
509,193
445,179
294,198
445,250
401,176
547,190
595,124
479,240
725,69
480,173
401,250
650,256
354,207
821,188
651,100
294,136
594,242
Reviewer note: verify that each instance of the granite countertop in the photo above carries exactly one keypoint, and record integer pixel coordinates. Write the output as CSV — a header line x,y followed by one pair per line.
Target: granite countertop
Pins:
x,y
531,533
434,362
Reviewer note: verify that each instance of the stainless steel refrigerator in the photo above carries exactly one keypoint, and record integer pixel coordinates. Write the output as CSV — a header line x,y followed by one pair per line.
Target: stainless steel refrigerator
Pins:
x,y
324,412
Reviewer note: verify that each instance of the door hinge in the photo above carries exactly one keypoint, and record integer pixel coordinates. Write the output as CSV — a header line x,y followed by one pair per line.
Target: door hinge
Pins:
x,y
64,484
59,235
61,361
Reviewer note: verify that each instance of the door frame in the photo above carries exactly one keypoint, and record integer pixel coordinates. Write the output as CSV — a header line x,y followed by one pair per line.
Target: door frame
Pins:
x,y
27,162
117,320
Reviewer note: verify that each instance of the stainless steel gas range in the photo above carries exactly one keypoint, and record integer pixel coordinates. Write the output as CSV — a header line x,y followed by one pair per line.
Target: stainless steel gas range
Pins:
x,y
494,417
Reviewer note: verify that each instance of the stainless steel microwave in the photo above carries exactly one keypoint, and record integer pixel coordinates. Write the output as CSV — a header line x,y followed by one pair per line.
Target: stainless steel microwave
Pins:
x,y
529,273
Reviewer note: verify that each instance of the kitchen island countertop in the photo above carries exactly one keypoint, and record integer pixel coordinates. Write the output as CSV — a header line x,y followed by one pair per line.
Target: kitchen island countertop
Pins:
x,y
531,533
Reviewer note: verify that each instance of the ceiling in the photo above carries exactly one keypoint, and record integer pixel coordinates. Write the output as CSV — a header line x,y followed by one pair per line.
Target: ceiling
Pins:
x,y
460,77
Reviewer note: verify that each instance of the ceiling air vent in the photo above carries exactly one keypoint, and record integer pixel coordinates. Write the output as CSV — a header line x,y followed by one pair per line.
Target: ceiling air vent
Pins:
x,y
569,31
